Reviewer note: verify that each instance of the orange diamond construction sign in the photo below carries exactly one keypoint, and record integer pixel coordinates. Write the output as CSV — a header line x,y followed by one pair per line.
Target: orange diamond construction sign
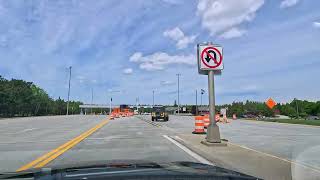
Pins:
x,y
270,103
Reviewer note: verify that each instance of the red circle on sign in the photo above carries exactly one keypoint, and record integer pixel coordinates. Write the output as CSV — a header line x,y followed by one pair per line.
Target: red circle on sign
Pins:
x,y
206,51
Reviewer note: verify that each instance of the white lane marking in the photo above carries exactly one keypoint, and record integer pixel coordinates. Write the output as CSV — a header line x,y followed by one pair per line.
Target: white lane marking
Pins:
x,y
273,156
26,130
281,124
188,151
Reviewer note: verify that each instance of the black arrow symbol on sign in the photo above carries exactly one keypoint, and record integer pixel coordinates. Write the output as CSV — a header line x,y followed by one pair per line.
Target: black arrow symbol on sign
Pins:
x,y
209,56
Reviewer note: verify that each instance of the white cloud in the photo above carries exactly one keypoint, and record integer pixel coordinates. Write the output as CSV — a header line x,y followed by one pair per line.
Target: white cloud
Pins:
x,y
316,24
128,71
160,60
174,2
174,34
166,83
288,3
81,79
177,35
221,16
233,33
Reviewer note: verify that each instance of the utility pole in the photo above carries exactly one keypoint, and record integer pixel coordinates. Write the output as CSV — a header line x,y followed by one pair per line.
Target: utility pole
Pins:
x,y
202,92
137,101
152,98
69,90
178,93
297,108
196,102
91,98
110,107
111,91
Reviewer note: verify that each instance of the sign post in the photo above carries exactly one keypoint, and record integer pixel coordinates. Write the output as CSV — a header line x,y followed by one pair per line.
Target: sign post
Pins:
x,y
210,58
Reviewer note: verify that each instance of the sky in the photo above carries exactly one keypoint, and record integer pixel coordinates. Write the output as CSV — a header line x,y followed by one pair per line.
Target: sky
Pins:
x,y
128,49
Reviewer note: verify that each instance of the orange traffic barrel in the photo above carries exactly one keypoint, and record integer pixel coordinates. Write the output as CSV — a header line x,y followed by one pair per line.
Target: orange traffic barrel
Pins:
x,y
234,116
199,125
217,117
206,120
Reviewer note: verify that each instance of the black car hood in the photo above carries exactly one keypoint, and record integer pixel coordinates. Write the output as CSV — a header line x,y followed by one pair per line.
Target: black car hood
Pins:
x,y
145,167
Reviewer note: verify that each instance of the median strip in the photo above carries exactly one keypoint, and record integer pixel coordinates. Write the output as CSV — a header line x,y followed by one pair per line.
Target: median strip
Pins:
x,y
50,156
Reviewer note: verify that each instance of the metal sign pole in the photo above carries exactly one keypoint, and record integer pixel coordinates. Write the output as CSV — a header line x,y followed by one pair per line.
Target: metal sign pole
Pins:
x,y
213,133
210,58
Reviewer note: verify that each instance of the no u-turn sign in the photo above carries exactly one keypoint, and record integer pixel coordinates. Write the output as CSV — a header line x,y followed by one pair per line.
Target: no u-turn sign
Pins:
x,y
209,58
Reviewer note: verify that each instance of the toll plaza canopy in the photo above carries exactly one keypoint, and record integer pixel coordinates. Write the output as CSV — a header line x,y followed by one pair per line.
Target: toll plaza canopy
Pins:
x,y
87,108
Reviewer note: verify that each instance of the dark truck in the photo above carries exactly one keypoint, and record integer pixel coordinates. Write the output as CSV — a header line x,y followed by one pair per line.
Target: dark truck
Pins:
x,y
159,112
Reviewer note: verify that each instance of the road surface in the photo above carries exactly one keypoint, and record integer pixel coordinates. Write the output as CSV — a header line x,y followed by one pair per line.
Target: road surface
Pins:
x,y
289,141
24,140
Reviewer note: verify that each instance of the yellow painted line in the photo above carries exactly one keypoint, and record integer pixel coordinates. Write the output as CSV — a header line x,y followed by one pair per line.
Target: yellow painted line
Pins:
x,y
48,157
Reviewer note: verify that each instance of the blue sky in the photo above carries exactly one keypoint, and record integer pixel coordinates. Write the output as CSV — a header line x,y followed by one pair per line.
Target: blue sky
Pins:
x,y
129,48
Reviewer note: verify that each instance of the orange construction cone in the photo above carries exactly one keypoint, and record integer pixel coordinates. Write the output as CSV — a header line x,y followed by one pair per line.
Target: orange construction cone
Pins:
x,y
206,120
199,125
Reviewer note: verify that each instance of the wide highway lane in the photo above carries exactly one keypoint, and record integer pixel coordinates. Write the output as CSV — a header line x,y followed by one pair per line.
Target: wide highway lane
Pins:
x,y
125,139
299,143
60,140
24,139
51,141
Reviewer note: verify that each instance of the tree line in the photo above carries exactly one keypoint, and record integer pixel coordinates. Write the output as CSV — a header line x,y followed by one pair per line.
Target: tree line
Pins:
x,y
21,98
294,109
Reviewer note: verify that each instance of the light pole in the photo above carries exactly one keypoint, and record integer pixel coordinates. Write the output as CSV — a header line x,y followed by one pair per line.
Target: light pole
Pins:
x,y
110,106
137,102
178,93
196,102
297,108
202,92
152,98
69,90
91,98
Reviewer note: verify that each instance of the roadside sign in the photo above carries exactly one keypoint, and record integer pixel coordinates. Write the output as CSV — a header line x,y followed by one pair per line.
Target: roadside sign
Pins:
x,y
210,58
270,103
210,63
223,111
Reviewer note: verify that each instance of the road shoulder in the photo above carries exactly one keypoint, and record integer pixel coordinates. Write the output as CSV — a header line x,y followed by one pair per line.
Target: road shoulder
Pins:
x,y
248,161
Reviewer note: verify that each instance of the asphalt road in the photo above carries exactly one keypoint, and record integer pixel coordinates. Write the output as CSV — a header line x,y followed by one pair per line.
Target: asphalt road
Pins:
x,y
298,143
23,140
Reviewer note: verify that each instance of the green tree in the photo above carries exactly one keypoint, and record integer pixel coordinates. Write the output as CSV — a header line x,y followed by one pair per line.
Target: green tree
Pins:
x,y
40,101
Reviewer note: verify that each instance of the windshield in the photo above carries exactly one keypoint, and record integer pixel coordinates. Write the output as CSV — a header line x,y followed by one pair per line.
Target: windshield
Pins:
x,y
158,109
227,83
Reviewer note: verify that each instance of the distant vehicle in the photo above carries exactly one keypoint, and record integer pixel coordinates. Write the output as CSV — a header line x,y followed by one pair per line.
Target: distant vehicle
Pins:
x,y
313,118
159,112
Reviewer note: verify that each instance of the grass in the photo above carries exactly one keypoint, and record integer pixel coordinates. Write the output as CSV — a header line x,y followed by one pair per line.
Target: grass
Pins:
x,y
295,121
